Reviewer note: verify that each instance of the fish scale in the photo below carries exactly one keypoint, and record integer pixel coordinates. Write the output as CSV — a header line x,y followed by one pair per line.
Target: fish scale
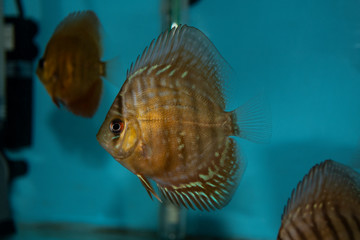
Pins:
x,y
325,205
177,132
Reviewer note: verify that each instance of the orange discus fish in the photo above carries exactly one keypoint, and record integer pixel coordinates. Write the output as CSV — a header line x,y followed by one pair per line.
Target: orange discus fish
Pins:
x,y
71,68
168,122
324,206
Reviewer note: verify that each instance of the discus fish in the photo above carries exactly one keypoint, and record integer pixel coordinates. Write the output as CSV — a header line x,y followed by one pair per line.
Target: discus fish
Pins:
x,y
325,205
70,68
168,122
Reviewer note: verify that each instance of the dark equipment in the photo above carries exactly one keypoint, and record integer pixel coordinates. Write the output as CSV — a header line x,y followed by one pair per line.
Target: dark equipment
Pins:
x,y
16,90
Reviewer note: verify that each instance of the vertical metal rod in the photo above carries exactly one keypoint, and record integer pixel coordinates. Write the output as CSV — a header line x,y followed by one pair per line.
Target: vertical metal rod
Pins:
x,y
172,223
173,12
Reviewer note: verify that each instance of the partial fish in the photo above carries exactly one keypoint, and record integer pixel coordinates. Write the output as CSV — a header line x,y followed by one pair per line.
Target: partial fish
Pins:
x,y
168,122
71,68
324,206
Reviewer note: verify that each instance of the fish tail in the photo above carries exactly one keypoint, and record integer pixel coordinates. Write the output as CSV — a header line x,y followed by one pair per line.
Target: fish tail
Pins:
x,y
111,71
252,120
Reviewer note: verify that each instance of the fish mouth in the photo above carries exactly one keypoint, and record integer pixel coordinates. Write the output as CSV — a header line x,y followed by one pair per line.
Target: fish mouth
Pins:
x,y
98,137
105,143
101,139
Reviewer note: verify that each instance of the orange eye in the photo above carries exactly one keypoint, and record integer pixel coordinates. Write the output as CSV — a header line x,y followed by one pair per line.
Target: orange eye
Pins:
x,y
116,126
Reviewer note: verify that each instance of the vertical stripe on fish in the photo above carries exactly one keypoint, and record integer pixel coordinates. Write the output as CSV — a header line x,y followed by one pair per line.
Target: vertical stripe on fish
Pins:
x,y
325,205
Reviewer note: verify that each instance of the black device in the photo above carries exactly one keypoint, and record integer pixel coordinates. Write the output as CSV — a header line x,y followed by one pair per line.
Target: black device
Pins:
x,y
16,123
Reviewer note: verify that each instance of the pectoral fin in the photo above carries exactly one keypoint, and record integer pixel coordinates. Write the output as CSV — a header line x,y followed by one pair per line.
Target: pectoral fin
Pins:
x,y
57,102
148,187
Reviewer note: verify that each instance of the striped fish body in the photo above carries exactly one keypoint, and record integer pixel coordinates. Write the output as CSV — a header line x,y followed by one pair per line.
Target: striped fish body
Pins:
x,y
325,205
179,126
70,68
168,122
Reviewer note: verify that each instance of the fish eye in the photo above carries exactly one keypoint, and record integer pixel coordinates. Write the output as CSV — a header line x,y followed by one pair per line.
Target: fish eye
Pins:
x,y
116,126
41,63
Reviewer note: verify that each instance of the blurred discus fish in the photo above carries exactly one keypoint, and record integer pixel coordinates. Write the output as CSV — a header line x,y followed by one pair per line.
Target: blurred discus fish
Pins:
x,y
168,122
325,205
71,68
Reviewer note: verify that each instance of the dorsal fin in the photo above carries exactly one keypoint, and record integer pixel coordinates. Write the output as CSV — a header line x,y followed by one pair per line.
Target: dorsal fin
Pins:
x,y
75,19
324,182
80,23
188,50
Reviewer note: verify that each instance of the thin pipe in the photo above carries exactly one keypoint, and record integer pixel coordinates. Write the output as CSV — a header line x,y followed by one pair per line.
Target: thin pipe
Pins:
x,y
20,8
172,222
173,12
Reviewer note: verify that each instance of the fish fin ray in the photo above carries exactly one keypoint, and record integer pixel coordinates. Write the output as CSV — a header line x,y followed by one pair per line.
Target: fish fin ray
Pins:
x,y
213,188
252,120
110,70
188,48
329,176
147,185
83,23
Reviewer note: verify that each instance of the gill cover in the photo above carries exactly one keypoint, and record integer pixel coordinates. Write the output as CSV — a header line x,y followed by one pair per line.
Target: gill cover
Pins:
x,y
125,140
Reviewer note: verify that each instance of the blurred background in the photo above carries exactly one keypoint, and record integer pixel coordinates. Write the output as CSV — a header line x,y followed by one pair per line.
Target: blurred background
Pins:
x,y
303,55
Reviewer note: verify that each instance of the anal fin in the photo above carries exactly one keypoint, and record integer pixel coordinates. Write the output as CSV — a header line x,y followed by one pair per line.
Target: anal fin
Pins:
x,y
86,104
213,187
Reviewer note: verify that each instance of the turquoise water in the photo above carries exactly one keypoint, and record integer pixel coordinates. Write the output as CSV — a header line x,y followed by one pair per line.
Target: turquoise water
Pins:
x,y
304,55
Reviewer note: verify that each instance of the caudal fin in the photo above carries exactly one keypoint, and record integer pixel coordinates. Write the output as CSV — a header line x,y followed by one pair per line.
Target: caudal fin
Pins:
x,y
252,121
111,71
